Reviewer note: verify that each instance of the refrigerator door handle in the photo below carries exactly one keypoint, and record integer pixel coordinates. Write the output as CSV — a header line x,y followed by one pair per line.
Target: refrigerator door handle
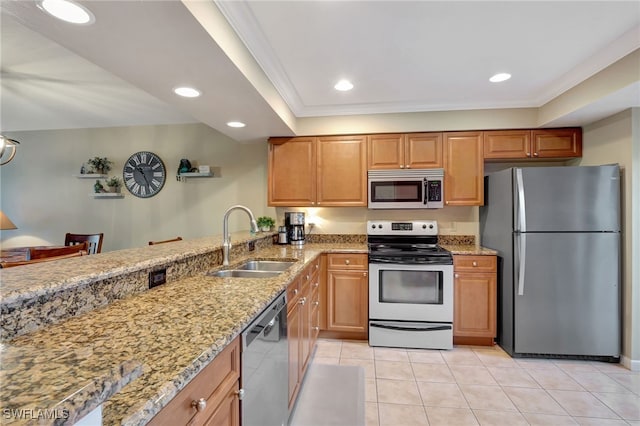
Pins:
x,y
522,251
522,214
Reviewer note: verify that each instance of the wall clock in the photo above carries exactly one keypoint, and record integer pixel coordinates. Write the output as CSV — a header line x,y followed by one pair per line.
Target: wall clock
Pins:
x,y
144,174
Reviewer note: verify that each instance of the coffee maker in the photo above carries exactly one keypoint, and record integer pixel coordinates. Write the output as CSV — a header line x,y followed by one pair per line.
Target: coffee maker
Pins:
x,y
294,222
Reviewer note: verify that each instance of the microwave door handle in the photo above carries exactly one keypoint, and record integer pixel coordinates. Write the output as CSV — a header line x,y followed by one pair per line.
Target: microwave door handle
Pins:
x,y
425,196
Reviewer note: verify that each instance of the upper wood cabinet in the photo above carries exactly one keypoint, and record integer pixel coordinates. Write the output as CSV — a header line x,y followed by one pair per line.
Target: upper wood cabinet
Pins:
x,y
292,171
342,171
400,151
463,169
527,144
318,171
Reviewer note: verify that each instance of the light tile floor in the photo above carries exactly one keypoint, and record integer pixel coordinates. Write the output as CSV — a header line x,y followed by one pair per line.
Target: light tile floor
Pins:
x,y
485,386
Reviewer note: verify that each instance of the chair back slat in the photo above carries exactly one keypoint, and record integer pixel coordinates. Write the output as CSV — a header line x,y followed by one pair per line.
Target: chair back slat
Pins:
x,y
151,243
42,252
94,241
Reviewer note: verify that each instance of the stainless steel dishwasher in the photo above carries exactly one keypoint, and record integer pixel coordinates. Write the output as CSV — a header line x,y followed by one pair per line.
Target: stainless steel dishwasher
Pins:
x,y
265,368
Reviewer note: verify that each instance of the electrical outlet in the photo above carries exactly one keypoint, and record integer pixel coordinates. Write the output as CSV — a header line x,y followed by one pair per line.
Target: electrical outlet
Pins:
x,y
157,278
251,245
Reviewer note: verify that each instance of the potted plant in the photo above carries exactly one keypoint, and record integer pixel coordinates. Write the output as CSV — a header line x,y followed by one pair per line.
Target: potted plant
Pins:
x,y
265,223
100,165
114,183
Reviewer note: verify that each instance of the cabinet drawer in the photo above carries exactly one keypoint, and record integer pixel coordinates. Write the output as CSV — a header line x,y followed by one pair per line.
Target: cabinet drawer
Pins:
x,y
463,263
212,384
347,261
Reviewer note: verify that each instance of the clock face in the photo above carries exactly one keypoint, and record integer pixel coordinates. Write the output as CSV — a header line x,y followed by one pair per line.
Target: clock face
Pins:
x,y
144,174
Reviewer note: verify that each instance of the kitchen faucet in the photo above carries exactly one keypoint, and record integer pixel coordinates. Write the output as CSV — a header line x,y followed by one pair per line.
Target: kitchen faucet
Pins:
x,y
226,245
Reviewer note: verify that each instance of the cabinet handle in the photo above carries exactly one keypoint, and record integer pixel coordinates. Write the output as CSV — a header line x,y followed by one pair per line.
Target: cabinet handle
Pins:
x,y
316,328
446,202
528,154
316,303
408,166
199,405
456,275
317,266
475,263
303,301
295,291
535,154
364,274
402,166
240,393
347,262
316,284
306,277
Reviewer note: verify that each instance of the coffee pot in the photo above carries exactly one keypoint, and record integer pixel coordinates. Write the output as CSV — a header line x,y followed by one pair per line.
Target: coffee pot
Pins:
x,y
294,223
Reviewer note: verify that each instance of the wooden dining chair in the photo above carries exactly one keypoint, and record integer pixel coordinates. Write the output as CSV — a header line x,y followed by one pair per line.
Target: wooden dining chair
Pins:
x,y
42,252
94,241
151,243
4,265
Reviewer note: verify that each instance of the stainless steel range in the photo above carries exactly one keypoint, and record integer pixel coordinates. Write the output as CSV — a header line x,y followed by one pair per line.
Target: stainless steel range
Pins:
x,y
410,286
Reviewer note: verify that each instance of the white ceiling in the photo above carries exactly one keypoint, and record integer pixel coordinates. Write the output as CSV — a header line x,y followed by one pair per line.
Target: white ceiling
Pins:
x,y
402,56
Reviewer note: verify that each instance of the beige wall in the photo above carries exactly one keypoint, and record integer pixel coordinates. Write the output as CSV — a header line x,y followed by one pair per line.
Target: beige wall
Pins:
x,y
42,198
617,140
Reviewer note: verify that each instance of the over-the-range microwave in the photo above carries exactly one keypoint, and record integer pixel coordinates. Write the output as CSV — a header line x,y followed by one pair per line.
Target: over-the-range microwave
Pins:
x,y
406,189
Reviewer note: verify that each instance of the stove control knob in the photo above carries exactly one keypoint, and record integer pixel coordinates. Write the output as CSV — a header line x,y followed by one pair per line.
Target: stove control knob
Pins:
x,y
424,226
373,226
379,226
430,226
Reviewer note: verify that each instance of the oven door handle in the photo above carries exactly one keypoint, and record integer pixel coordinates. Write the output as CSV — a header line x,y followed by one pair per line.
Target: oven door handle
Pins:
x,y
396,327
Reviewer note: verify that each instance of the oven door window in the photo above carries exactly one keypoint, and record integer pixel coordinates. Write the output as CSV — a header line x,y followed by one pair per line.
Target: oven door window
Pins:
x,y
397,191
411,287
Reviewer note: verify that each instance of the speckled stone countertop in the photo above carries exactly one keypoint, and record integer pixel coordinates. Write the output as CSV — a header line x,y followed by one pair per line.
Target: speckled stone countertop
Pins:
x,y
469,249
155,341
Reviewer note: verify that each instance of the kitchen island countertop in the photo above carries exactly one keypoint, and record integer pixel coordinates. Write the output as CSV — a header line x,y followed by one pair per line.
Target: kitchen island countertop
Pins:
x,y
155,341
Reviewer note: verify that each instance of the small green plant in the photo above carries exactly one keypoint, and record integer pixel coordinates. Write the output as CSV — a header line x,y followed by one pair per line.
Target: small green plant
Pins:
x,y
100,164
114,182
265,222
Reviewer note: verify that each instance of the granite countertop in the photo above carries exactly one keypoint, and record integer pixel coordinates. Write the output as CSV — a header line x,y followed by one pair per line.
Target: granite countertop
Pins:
x,y
135,354
469,249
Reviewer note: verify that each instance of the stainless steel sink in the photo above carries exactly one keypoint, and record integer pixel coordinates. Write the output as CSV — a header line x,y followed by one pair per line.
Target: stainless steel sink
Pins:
x,y
236,273
266,265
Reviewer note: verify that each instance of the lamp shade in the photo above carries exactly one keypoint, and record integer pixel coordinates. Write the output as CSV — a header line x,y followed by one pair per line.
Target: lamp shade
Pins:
x,y
5,222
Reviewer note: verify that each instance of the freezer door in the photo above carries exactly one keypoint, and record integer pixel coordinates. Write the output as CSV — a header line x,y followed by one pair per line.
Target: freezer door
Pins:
x,y
570,298
567,199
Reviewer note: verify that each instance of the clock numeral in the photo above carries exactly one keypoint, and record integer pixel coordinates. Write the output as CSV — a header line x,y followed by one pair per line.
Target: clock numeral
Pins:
x,y
128,175
157,174
130,182
143,157
136,187
136,160
143,190
155,166
156,183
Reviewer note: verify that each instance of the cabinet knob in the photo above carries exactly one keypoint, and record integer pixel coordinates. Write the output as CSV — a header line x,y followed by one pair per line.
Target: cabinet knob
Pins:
x,y
535,154
317,266
316,284
240,393
475,263
295,291
316,303
456,275
306,277
364,274
303,301
408,166
199,405
316,328
402,166
446,202
347,262
528,154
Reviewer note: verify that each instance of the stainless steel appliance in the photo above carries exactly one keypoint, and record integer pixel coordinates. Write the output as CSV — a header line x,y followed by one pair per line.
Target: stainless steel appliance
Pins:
x,y
557,233
410,286
406,189
265,368
283,238
294,221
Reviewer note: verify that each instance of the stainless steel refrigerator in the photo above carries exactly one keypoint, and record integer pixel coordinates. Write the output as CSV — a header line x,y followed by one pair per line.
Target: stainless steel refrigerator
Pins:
x,y
557,233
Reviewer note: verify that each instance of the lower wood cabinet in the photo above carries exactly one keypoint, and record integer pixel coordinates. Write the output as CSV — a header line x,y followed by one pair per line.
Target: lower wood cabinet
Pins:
x,y
347,293
210,398
475,299
303,318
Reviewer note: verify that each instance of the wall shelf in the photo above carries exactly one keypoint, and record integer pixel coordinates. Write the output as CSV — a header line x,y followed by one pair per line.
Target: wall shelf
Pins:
x,y
90,176
214,173
107,195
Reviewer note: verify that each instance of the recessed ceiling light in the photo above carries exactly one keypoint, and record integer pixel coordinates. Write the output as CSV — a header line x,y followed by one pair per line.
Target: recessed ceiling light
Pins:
x,y
343,85
67,11
187,92
503,76
236,124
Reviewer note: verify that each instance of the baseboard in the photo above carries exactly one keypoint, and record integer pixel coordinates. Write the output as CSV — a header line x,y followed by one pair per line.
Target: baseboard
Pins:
x,y
631,364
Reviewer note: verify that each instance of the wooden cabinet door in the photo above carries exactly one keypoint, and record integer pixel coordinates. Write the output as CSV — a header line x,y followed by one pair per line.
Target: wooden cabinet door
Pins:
x,y
463,169
293,336
292,171
474,307
557,143
347,300
507,144
423,150
342,171
385,151
228,412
